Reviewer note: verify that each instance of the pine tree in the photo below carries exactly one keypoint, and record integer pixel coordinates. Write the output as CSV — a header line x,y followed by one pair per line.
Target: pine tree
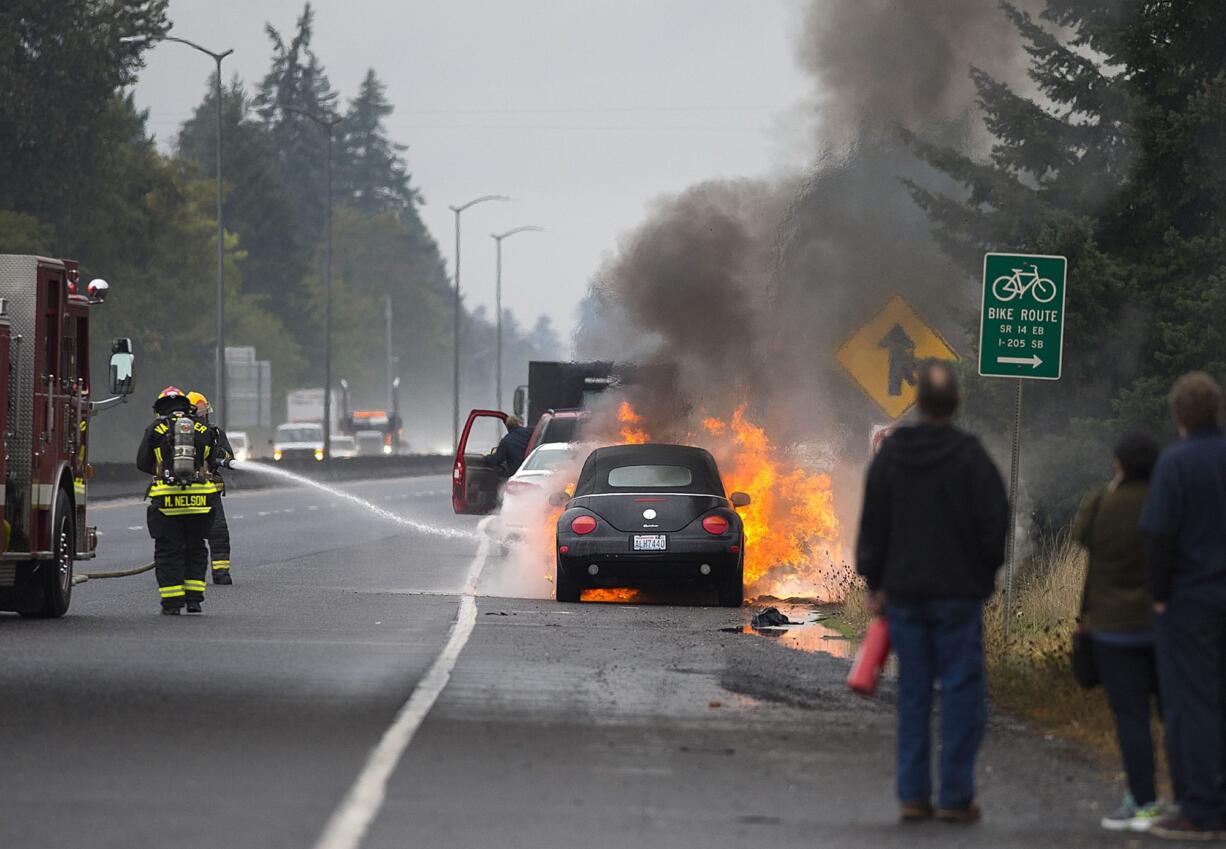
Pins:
x,y
377,178
295,87
1117,164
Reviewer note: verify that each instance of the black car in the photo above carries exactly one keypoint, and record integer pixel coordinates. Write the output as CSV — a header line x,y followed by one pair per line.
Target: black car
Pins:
x,y
651,514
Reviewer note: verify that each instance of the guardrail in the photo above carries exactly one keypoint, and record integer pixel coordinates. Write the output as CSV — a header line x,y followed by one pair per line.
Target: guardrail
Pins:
x,y
124,480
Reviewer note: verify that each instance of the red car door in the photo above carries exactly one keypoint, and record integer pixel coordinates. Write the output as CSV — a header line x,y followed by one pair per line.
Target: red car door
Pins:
x,y
475,480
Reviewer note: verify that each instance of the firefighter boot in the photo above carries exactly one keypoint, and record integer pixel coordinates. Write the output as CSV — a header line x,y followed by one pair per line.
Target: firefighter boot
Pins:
x,y
221,574
193,606
171,611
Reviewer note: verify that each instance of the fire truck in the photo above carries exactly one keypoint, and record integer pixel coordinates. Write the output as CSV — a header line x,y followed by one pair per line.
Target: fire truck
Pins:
x,y
45,407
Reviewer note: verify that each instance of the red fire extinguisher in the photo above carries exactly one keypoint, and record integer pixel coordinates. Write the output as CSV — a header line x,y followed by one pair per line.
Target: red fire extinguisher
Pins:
x,y
870,660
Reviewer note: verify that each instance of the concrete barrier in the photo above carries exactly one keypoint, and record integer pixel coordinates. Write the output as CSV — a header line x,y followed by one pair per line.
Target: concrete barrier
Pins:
x,y
124,480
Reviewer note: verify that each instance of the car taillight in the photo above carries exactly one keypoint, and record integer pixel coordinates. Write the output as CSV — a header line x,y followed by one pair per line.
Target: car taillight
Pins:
x,y
583,525
715,524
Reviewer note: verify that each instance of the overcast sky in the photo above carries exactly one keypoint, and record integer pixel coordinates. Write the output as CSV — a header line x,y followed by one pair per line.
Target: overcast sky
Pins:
x,y
582,110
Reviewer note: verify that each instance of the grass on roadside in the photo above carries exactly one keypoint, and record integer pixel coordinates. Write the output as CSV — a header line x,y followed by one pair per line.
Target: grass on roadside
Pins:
x,y
1029,674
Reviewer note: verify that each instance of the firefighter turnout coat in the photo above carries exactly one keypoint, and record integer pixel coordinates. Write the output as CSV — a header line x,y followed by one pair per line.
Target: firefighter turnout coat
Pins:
x,y
192,497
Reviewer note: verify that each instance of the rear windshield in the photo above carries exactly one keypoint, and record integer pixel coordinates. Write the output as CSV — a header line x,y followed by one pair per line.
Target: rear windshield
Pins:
x,y
560,430
546,461
650,476
238,440
300,434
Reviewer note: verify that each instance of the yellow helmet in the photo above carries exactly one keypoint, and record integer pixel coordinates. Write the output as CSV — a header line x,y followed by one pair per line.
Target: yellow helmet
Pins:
x,y
197,398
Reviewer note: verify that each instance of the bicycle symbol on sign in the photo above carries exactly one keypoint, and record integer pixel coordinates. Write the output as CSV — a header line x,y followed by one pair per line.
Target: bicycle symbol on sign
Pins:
x,y
1006,287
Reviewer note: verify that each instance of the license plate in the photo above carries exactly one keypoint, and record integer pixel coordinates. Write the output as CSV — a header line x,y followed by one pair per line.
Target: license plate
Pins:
x,y
650,542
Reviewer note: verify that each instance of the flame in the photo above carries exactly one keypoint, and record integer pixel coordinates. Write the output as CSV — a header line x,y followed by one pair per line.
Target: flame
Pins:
x,y
610,594
791,530
792,544
631,433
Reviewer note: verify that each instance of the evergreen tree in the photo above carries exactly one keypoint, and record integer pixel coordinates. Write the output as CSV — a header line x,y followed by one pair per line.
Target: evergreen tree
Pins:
x,y
257,203
1118,165
376,178
63,123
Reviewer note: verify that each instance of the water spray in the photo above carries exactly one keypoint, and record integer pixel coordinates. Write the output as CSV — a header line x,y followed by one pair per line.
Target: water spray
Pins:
x,y
302,480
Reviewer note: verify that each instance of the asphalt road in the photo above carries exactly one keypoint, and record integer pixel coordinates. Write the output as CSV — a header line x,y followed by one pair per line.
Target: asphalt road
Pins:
x,y
590,725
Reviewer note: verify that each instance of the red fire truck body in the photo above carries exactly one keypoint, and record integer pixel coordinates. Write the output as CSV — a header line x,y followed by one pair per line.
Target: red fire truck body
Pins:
x,y
45,406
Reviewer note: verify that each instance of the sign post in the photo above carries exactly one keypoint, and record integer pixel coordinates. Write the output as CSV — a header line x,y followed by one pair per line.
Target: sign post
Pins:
x,y
1021,336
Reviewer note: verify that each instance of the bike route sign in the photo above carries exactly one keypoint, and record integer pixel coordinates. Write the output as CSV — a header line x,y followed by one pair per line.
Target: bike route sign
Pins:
x,y
1021,324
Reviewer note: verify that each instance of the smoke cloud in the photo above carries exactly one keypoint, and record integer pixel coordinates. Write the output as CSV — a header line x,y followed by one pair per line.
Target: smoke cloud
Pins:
x,y
748,287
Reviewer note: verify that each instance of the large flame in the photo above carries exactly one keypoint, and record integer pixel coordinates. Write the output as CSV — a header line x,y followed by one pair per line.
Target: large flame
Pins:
x,y
791,530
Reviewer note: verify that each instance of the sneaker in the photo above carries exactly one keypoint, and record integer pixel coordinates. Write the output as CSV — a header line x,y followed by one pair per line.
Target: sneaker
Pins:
x,y
1146,815
960,816
171,611
194,607
915,811
1121,819
222,578
1178,828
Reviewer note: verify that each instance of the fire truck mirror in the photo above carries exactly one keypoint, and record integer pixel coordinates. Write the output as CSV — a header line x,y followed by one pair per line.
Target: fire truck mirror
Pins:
x,y
520,404
123,381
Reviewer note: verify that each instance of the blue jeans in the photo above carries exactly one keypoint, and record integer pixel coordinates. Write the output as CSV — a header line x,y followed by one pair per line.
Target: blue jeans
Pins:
x,y
1192,671
939,640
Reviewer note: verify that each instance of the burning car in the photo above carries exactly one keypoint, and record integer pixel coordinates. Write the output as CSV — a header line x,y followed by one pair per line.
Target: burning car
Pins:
x,y
650,514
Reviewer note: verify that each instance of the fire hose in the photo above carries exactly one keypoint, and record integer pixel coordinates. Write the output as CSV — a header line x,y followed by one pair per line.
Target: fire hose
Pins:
x,y
122,573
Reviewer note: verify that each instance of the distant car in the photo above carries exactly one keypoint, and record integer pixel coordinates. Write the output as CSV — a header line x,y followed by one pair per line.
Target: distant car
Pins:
x,y
372,442
240,443
298,441
651,514
343,447
525,498
556,426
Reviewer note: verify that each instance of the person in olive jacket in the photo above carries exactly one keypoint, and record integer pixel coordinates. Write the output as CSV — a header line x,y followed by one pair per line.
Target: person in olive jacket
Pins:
x,y
1117,610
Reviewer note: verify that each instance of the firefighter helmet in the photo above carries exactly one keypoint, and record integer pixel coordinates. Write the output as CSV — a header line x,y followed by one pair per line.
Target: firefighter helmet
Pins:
x,y
197,398
169,400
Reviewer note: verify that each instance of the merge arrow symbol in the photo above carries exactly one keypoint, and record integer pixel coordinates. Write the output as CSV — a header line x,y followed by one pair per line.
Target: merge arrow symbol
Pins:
x,y
1033,361
901,348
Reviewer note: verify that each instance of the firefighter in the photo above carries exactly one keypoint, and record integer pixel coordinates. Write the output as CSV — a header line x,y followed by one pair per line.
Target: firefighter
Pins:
x,y
219,537
181,454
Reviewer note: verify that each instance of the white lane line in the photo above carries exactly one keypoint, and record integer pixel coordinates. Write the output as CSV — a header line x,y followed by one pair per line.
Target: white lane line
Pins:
x,y
352,818
136,527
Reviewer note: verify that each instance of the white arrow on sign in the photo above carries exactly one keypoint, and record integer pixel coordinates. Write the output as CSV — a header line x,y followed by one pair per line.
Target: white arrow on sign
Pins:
x,y
1033,361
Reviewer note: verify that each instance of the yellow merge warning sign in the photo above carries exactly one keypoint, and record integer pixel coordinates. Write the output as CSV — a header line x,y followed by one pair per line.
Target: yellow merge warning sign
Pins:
x,y
882,355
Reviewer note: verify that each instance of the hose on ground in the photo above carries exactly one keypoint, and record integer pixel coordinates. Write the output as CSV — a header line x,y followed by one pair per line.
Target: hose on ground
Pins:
x,y
122,573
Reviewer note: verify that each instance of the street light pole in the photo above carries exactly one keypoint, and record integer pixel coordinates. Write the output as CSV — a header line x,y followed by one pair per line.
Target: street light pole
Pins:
x,y
219,397
498,237
455,327
329,124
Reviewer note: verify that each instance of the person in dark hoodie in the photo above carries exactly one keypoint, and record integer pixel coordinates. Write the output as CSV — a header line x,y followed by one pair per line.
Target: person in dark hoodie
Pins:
x,y
932,537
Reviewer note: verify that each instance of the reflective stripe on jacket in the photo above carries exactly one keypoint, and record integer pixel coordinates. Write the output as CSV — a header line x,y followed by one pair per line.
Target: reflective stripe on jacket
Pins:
x,y
182,500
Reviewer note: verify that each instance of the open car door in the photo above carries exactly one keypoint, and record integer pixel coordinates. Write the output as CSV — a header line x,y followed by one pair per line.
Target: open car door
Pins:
x,y
475,480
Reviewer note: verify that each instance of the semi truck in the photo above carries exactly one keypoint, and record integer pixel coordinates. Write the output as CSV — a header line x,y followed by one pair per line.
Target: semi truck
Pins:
x,y
47,399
